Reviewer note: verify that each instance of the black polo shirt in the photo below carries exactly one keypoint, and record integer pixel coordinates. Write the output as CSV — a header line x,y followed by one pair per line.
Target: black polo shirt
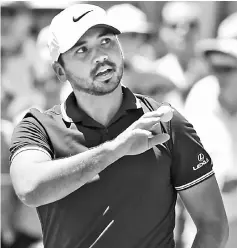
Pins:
x,y
129,204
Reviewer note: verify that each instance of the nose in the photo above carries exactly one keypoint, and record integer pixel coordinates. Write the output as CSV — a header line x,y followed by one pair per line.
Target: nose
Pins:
x,y
183,29
100,58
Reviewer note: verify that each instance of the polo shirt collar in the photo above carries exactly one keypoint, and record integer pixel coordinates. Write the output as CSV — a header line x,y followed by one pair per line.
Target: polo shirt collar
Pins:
x,y
71,112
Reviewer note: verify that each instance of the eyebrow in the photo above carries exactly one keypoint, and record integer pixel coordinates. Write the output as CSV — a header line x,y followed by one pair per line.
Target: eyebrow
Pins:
x,y
105,32
79,43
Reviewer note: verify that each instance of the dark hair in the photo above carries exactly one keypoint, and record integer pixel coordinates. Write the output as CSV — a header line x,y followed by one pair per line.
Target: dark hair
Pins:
x,y
60,60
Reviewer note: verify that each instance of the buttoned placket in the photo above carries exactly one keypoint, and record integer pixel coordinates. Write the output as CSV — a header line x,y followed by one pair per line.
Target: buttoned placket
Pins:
x,y
105,134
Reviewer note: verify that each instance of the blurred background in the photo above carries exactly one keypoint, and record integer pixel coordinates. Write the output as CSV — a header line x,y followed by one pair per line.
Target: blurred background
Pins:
x,y
184,53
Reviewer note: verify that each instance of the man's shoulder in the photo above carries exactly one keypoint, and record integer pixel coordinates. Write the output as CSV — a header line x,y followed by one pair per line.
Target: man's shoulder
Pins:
x,y
39,130
53,112
45,129
38,117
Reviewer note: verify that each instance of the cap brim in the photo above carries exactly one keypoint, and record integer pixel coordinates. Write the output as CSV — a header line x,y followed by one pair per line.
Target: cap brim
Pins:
x,y
227,46
112,28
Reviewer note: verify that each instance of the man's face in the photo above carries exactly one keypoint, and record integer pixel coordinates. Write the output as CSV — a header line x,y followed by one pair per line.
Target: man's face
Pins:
x,y
224,67
181,35
95,64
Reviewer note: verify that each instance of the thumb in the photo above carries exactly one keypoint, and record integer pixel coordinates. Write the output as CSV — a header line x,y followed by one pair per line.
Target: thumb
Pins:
x,y
158,139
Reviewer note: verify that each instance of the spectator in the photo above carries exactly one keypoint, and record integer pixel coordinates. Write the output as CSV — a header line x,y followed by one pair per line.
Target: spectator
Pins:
x,y
20,225
136,30
180,32
138,53
20,61
212,107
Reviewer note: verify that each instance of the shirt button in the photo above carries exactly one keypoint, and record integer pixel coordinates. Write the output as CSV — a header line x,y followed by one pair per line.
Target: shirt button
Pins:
x,y
105,134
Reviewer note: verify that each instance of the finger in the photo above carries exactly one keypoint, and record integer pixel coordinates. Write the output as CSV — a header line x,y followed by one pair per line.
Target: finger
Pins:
x,y
156,128
147,123
145,132
165,113
152,114
158,139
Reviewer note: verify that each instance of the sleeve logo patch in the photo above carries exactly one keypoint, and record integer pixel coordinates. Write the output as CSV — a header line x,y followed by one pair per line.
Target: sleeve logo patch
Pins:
x,y
202,160
200,157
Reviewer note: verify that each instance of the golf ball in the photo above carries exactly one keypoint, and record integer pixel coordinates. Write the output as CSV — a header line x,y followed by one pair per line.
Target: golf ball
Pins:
x,y
166,113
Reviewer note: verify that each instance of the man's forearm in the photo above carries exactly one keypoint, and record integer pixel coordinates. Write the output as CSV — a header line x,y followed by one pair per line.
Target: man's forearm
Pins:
x,y
38,180
211,239
56,179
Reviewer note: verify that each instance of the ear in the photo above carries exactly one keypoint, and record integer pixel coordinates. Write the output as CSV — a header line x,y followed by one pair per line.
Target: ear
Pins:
x,y
60,72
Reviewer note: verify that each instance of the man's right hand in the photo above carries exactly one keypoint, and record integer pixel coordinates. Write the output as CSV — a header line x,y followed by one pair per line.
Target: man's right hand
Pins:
x,y
141,136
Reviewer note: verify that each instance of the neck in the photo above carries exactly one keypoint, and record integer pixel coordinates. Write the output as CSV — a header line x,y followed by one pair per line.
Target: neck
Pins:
x,y
101,108
184,59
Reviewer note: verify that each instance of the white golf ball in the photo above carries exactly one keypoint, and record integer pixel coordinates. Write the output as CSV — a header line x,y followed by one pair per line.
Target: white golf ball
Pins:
x,y
166,113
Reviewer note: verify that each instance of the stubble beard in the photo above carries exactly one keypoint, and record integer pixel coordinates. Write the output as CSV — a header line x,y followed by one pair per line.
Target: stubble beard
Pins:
x,y
93,87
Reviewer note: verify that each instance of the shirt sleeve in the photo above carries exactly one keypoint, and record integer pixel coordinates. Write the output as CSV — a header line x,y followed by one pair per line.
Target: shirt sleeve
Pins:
x,y
30,134
191,162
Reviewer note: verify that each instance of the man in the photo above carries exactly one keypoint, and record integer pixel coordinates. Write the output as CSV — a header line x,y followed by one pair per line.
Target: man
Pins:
x,y
180,31
212,108
96,167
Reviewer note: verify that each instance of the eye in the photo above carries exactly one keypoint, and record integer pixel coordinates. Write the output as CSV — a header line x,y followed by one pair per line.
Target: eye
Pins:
x,y
106,41
82,50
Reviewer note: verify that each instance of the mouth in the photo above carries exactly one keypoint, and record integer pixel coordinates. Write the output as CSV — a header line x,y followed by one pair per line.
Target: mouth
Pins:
x,y
104,74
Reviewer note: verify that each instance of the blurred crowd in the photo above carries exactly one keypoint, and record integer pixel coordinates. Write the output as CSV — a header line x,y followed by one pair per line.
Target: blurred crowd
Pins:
x,y
170,62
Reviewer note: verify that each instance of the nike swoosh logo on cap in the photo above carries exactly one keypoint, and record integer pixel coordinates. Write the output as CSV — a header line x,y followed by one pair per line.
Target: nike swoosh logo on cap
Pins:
x,y
79,18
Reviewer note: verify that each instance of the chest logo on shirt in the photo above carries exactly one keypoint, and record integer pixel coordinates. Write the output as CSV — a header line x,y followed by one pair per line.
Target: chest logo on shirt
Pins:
x,y
202,160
